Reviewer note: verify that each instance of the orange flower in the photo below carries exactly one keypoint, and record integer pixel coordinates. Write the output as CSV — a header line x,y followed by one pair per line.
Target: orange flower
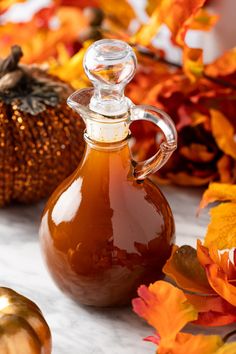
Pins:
x,y
220,271
168,310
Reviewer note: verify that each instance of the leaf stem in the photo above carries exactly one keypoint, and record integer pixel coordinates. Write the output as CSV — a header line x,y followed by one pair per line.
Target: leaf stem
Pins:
x,y
228,335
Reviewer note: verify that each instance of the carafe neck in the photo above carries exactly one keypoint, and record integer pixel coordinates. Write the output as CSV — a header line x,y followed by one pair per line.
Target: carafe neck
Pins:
x,y
101,159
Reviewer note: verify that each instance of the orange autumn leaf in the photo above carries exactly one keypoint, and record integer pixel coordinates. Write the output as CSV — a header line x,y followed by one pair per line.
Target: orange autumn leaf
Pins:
x,y
218,192
193,63
42,43
165,308
223,132
212,310
176,14
225,65
188,343
222,228
220,270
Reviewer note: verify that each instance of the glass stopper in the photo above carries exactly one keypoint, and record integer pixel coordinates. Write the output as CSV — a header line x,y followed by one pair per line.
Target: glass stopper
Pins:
x,y
109,64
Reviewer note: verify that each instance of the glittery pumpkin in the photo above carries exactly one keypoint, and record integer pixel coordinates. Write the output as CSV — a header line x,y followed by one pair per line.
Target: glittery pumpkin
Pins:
x,y
41,139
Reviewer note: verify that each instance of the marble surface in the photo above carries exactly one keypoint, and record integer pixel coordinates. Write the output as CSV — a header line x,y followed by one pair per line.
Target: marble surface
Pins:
x,y
76,329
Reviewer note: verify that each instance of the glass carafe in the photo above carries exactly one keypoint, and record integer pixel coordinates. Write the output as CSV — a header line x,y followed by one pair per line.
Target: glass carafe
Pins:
x,y
107,228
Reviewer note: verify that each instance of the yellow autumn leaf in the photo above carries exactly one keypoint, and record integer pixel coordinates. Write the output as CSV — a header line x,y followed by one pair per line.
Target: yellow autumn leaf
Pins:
x,y
218,192
71,69
228,348
223,132
221,231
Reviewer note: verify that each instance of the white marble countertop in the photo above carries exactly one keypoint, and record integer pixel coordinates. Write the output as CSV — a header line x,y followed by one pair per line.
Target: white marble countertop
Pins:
x,y
76,329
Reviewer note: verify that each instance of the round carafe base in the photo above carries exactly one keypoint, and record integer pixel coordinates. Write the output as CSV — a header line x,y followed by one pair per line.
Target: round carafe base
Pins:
x,y
103,233
95,271
114,288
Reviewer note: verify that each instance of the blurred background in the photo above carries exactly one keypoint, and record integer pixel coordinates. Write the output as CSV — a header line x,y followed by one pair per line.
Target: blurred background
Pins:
x,y
187,63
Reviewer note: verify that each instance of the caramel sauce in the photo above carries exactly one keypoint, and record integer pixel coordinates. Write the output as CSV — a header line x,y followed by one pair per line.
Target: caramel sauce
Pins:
x,y
103,233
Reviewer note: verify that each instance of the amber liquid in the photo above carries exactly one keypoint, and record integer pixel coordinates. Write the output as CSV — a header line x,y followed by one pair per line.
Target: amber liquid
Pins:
x,y
103,233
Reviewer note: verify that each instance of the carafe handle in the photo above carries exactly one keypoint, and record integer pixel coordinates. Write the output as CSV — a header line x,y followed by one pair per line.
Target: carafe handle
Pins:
x,y
167,147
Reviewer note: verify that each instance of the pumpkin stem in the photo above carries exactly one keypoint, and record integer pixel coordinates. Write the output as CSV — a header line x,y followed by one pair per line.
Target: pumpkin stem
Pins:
x,y
11,62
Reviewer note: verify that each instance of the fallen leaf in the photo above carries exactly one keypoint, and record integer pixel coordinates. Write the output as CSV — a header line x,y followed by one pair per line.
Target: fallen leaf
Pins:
x,y
165,308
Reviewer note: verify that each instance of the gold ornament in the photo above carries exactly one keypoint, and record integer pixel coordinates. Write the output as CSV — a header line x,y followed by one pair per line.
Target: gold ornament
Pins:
x,y
23,329
41,139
